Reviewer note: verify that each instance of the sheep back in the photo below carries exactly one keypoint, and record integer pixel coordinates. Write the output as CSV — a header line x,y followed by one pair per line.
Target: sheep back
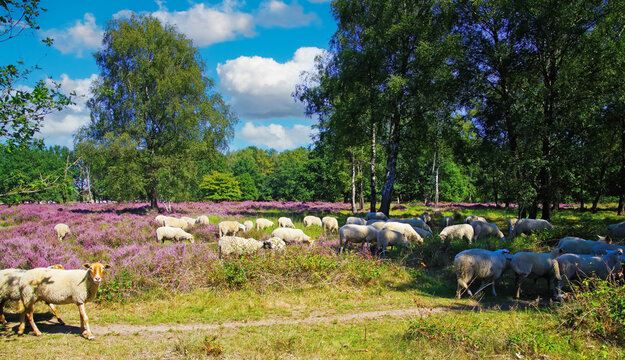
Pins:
x,y
312,220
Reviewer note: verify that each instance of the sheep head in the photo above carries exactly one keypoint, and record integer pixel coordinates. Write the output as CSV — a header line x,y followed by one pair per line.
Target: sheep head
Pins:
x,y
96,270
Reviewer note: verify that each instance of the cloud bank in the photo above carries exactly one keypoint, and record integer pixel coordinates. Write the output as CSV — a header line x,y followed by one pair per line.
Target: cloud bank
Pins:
x,y
275,136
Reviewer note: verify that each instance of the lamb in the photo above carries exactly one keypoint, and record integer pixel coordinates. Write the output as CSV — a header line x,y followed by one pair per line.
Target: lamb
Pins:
x,y
574,266
364,234
528,226
534,266
56,286
474,264
602,249
460,231
386,237
61,230
172,233
277,243
263,223
229,228
248,225
291,236
178,223
615,232
238,245
330,224
448,221
406,230
471,218
202,220
483,229
575,245
352,220
312,220
376,216
285,222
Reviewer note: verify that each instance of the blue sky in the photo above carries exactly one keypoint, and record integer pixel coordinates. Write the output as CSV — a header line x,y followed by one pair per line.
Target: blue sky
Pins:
x,y
255,52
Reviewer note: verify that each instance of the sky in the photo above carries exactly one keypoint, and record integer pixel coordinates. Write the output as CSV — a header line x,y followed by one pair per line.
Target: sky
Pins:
x,y
255,51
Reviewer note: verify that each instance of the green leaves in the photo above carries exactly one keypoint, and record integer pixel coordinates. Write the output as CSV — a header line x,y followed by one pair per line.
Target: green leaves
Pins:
x,y
218,186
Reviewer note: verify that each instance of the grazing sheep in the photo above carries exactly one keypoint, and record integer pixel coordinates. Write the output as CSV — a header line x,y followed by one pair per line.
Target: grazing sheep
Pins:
x,y
202,220
56,286
528,226
177,223
352,220
377,223
365,234
312,220
575,245
471,218
460,231
160,219
474,264
448,221
534,266
615,232
10,290
248,225
413,222
61,230
422,232
386,237
376,216
171,233
263,223
409,233
285,222
574,266
426,217
602,249
230,228
277,244
190,221
237,245
330,224
483,230
292,236
511,224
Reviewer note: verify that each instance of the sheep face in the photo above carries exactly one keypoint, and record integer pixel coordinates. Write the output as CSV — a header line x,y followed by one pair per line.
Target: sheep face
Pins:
x,y
96,270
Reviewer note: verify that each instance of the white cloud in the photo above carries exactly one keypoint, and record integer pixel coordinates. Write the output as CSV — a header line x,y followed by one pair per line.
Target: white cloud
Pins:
x,y
261,88
276,136
83,36
275,13
58,128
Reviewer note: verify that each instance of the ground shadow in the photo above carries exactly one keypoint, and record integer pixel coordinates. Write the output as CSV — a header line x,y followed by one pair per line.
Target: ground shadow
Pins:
x,y
46,323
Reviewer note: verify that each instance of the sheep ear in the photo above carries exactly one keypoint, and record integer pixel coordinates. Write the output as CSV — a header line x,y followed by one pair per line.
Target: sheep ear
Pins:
x,y
107,266
86,266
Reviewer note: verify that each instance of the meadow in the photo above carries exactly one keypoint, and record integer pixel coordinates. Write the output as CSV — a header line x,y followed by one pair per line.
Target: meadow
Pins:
x,y
179,300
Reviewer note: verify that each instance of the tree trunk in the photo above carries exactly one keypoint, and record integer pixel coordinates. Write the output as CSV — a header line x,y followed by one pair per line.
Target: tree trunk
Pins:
x,y
154,198
621,198
533,210
432,185
436,193
361,205
619,209
595,202
372,185
581,192
353,183
391,164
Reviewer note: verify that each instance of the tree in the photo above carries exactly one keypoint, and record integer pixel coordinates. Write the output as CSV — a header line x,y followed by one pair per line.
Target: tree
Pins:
x,y
218,186
153,111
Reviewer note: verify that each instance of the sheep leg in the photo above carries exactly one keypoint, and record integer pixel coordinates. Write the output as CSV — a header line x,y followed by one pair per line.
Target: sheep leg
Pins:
x,y
56,314
29,310
22,327
84,323
2,319
462,285
519,279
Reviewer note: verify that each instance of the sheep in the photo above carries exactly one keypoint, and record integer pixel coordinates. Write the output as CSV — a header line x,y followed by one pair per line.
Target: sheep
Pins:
x,y
386,237
528,226
277,243
330,224
364,234
602,249
291,236
237,245
574,266
10,290
312,220
615,232
415,223
263,223
178,223
230,228
406,230
483,229
426,217
352,220
160,219
172,233
474,264
189,220
202,220
448,221
376,216
248,225
575,245
377,223
422,232
56,286
534,266
61,230
472,218
460,231
285,222
511,223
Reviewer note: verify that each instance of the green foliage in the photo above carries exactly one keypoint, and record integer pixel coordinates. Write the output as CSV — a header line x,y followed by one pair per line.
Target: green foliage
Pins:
x,y
456,186
218,186
248,187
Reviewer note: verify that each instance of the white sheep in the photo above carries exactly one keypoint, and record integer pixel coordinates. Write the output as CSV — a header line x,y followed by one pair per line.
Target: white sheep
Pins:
x,y
574,266
330,224
61,230
292,236
365,234
471,218
229,228
285,222
277,244
378,223
414,223
376,216
178,223
448,221
483,230
474,264
312,220
264,223
172,233
352,220
56,286
202,220
460,231
386,237
575,245
249,224
190,221
422,232
511,223
528,226
534,266
602,249
160,219
237,245
615,232
409,233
